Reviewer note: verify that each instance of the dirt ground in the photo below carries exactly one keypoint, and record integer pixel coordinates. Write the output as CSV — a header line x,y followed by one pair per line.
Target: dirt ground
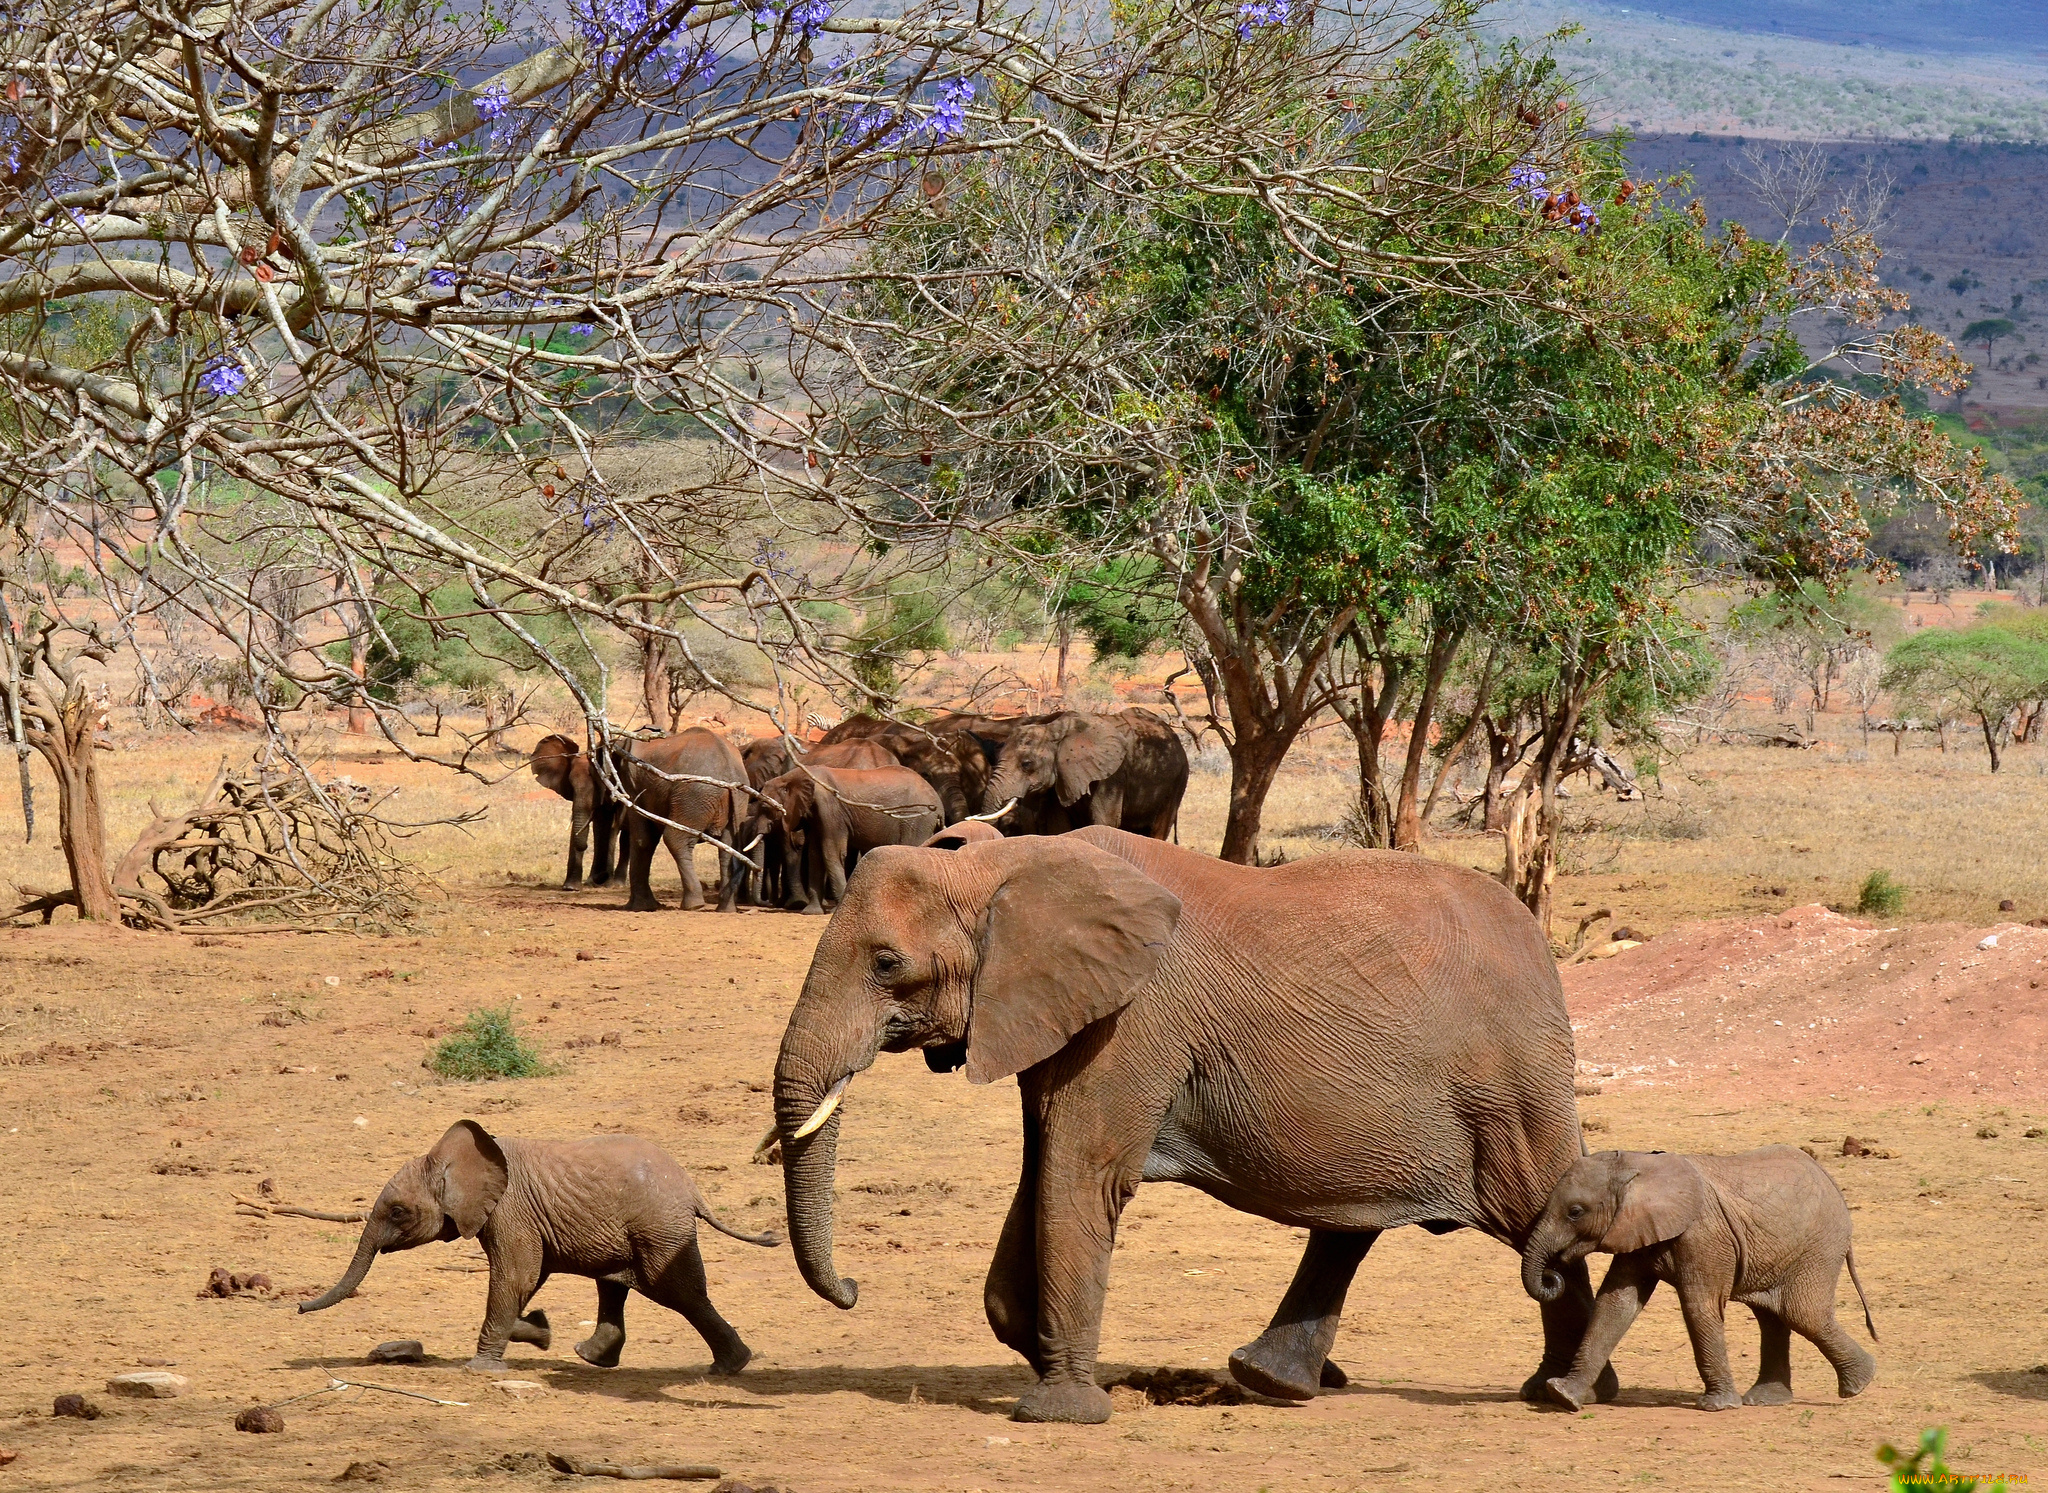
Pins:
x,y
146,1081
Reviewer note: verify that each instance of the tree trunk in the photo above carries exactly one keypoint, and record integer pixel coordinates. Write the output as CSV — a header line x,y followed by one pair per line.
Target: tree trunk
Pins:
x,y
1375,808
66,743
1066,641
1443,648
1254,762
654,679
359,665
1992,731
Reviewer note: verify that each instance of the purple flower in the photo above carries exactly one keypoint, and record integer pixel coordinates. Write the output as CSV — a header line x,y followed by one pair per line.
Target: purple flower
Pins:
x,y
810,16
443,279
1255,13
949,118
398,246
493,101
583,329
1526,178
223,377
764,15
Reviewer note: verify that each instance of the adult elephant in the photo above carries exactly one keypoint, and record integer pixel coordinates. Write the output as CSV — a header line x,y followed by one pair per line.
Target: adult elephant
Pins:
x,y
1127,771
697,785
953,762
561,766
837,814
781,878
1348,1044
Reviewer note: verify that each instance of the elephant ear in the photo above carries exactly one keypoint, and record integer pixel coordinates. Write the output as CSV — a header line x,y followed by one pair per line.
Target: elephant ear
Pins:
x,y
1069,935
553,762
1657,1197
1090,751
467,1172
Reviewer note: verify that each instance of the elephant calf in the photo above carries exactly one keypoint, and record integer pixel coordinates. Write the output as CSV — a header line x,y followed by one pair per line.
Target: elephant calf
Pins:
x,y
1767,1228
613,1207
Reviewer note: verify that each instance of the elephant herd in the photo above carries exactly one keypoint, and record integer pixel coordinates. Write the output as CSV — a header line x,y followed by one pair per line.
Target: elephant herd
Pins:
x,y
812,811
1353,1043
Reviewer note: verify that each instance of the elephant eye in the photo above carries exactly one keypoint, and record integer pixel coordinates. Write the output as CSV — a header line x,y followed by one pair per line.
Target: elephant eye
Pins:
x,y
1576,1210
888,962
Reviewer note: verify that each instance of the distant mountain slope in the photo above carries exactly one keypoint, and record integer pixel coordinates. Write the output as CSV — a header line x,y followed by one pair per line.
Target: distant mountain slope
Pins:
x,y
1661,70
2003,27
1966,236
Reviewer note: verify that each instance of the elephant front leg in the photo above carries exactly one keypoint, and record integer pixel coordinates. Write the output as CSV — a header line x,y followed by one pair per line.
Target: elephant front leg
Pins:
x,y
515,1276
579,838
1629,1284
1290,1359
605,825
1077,1213
1709,1334
1010,1295
1564,1328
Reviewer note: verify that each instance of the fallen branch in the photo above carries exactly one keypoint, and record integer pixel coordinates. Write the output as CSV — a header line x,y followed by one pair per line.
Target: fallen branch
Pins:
x,y
262,1208
681,1471
334,1384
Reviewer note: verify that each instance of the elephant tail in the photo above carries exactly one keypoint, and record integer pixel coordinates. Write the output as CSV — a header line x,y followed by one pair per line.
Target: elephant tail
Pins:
x,y
1857,1281
768,1240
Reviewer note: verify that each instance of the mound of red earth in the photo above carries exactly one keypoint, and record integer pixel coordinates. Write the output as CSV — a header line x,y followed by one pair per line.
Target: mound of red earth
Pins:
x,y
1808,1003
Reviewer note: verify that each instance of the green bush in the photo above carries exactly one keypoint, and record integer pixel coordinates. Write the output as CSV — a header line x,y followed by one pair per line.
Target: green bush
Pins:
x,y
487,1047
1881,895
1925,1469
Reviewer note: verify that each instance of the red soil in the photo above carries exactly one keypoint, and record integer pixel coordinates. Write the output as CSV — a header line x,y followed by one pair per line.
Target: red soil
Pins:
x,y
1809,1003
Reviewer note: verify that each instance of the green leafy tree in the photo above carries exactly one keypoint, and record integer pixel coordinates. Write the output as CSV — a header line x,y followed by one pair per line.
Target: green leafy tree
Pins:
x,y
1982,671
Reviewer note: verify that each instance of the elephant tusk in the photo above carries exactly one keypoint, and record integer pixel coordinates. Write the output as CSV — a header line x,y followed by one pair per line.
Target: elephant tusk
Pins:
x,y
824,1110
748,848
999,813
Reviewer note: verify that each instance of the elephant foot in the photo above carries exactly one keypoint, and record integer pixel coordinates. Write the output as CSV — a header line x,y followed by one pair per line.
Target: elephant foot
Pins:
x,y
533,1328
1266,1367
1334,1377
735,1360
642,904
601,1349
1064,1404
813,911
1540,1388
1720,1399
1762,1393
483,1365
1856,1379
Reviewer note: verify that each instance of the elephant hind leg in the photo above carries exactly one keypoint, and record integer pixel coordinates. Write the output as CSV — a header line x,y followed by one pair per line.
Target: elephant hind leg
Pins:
x,y
1810,1311
601,1349
1290,1359
1774,1362
682,1288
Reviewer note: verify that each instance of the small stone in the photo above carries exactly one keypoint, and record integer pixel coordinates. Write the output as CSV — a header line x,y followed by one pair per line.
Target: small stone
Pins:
x,y
363,1472
399,1350
260,1420
2036,1132
1989,941
519,1389
7,1454
219,1283
1987,1132
2008,905
75,1407
584,956
149,1384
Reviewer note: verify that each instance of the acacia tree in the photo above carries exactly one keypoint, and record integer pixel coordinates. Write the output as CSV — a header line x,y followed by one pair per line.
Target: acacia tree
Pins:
x,y
1495,390
368,293
1983,671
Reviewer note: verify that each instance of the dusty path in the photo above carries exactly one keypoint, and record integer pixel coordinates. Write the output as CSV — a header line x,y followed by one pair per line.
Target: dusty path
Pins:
x,y
144,1081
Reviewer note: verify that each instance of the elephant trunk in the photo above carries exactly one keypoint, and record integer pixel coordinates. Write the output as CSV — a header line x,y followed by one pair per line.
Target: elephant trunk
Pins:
x,y
821,1051
1005,784
808,1168
1540,1276
366,1251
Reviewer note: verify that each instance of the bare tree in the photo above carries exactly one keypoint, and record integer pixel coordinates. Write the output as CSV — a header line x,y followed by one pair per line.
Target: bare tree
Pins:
x,y
298,295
